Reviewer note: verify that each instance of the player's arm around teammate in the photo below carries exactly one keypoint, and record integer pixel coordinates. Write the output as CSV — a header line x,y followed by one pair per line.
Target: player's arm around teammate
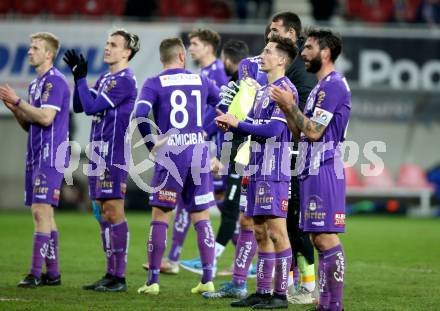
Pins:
x,y
267,192
322,184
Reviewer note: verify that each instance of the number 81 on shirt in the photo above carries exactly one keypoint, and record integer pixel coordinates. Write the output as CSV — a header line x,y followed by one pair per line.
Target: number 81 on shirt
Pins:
x,y
179,101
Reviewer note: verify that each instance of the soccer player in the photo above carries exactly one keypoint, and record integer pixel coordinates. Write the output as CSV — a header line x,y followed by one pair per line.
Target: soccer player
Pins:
x,y
178,99
288,25
45,116
246,247
267,191
321,130
233,52
203,47
110,102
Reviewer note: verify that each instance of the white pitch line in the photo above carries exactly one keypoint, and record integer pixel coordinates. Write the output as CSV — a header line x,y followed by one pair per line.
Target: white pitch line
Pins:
x,y
11,299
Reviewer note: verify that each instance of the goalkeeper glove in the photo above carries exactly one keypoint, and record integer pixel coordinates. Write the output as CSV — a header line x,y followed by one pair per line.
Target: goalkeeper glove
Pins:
x,y
77,64
228,92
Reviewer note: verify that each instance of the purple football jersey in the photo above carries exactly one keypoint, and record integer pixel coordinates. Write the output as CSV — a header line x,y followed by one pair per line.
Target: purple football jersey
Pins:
x,y
270,156
109,126
329,104
215,72
250,67
179,99
51,90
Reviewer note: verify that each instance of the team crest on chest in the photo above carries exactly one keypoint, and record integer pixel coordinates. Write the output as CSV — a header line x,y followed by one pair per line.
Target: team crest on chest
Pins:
x,y
47,87
110,86
311,99
33,87
37,93
266,102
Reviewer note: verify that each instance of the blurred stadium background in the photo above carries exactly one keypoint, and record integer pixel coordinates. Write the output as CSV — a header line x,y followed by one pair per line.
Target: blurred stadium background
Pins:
x,y
390,57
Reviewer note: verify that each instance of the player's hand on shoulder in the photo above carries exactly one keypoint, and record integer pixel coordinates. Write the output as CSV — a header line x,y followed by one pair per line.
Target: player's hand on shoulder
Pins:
x,y
284,97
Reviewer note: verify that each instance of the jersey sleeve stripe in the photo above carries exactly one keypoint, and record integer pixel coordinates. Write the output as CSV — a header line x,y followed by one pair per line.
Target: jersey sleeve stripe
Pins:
x,y
93,91
146,102
51,106
108,99
279,119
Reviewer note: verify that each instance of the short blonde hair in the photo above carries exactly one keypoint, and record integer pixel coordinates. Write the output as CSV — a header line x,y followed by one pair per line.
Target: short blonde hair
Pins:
x,y
52,42
169,49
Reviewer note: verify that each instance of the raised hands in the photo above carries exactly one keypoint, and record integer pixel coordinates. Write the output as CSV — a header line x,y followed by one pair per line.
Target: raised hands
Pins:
x,y
226,120
283,96
77,64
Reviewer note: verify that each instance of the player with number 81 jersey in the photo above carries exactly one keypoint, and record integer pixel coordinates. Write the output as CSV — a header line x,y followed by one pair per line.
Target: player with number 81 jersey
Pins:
x,y
178,99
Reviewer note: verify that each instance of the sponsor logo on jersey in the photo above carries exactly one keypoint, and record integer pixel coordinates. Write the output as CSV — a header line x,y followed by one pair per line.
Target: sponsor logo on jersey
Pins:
x,y
284,205
262,199
167,196
318,223
243,200
180,79
204,198
123,188
340,219
41,190
314,215
56,194
105,184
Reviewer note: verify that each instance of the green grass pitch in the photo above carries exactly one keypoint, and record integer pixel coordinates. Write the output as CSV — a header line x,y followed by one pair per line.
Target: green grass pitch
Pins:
x,y
392,264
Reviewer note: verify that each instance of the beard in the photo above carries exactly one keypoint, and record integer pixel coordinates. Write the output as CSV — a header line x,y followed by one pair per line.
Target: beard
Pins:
x,y
229,71
315,64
